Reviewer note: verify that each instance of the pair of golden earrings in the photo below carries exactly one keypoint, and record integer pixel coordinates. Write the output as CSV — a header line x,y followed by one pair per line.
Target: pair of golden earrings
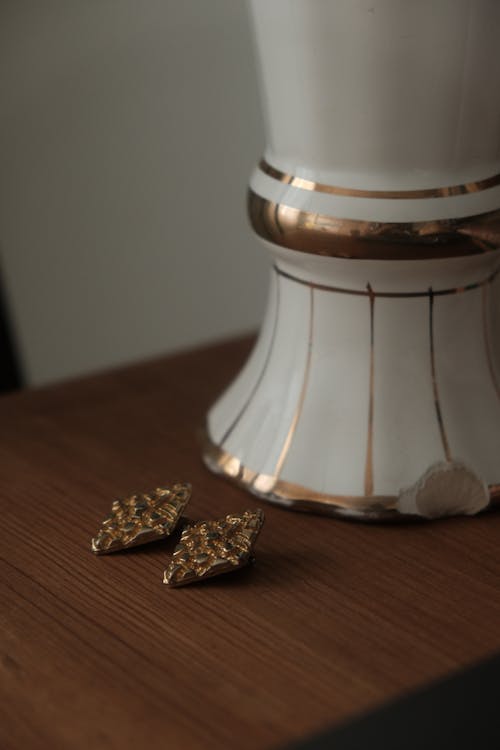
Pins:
x,y
205,549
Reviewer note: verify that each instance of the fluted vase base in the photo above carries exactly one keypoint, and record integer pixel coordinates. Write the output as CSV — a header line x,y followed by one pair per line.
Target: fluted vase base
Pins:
x,y
372,392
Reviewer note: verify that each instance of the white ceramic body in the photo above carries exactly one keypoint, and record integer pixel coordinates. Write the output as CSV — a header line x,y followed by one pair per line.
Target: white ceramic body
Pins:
x,y
382,94
368,372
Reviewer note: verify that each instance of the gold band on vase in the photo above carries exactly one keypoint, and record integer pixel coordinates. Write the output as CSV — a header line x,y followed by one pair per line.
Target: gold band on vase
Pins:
x,y
319,187
322,234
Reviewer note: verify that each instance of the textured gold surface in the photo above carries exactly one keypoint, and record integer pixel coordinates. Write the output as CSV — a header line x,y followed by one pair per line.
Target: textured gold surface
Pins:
x,y
142,518
212,547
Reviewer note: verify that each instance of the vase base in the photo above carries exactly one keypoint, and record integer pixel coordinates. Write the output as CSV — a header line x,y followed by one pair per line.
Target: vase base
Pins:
x,y
375,508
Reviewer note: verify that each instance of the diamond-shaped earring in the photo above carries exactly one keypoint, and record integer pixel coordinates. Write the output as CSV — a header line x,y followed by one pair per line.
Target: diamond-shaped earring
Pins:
x,y
142,518
209,548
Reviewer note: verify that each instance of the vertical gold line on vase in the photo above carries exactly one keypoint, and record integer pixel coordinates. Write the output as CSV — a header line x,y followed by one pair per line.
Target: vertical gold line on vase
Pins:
x,y
369,440
302,395
439,415
262,372
487,341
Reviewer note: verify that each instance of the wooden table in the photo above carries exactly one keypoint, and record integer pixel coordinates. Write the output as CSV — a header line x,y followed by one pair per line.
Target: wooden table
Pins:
x,y
334,618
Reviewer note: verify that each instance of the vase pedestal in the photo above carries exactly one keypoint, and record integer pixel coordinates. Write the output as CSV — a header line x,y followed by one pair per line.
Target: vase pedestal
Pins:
x,y
365,376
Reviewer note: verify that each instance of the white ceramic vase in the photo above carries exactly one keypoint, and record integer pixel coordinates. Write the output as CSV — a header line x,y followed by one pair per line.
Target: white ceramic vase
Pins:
x,y
374,388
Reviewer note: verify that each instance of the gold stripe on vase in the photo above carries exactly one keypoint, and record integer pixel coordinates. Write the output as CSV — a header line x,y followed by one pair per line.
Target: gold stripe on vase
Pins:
x,y
435,390
368,291
318,187
305,381
321,234
371,398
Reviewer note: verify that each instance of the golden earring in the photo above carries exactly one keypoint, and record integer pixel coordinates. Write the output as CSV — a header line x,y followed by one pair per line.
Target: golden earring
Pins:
x,y
142,518
209,548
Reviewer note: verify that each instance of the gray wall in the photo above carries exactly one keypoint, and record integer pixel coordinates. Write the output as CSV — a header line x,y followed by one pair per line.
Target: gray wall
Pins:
x,y
127,134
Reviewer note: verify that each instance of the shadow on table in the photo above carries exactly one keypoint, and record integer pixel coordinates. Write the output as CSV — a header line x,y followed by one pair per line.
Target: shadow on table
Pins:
x,y
460,711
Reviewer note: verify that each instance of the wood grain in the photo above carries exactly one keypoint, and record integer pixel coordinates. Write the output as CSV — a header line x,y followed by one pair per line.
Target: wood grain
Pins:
x,y
334,618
